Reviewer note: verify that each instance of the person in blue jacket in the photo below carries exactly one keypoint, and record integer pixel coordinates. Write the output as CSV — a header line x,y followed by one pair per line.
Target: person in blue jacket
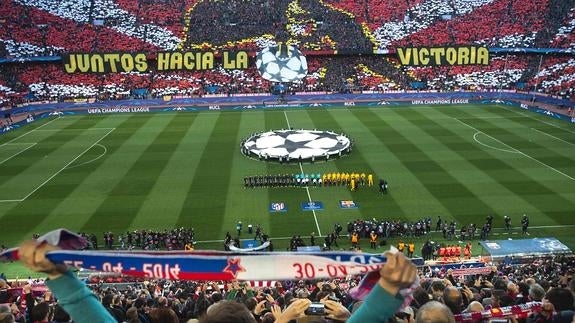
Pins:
x,y
72,294
384,299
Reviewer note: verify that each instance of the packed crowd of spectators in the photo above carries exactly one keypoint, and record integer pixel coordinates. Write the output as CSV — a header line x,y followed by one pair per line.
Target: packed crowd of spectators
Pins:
x,y
39,82
503,72
506,24
546,280
564,16
38,29
557,75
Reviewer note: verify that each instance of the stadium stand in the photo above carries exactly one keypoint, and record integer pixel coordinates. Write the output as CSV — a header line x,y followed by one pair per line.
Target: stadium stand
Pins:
x,y
42,29
495,24
34,33
556,76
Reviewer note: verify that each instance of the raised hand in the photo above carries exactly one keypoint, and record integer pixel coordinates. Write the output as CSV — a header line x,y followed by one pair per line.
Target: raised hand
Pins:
x,y
397,273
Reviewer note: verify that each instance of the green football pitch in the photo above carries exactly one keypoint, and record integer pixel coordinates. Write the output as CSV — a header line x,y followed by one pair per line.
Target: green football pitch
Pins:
x,y
155,171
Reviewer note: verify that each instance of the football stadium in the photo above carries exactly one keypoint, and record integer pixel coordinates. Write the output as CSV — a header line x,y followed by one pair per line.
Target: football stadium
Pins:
x,y
287,161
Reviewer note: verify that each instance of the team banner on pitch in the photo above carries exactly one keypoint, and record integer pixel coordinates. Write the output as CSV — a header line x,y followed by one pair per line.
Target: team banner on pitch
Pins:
x,y
435,56
348,204
312,206
277,207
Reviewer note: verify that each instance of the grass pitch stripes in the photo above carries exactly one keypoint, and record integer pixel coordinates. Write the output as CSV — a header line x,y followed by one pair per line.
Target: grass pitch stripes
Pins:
x,y
22,173
554,146
162,207
205,204
533,119
239,198
505,195
27,217
371,201
294,221
527,143
193,175
150,170
138,173
437,180
46,143
412,196
83,186
526,178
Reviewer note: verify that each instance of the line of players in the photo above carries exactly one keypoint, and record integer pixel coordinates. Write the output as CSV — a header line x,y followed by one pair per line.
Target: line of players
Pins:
x,y
353,180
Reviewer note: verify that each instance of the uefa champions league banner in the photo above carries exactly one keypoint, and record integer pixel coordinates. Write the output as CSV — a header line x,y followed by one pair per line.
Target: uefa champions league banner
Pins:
x,y
43,110
217,107
302,100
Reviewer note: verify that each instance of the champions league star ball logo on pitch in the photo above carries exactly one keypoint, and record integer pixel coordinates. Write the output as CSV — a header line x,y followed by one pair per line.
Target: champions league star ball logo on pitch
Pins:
x,y
296,145
281,63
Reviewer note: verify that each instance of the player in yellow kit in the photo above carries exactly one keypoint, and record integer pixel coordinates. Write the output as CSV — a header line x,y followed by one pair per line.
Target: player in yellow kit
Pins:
x,y
369,180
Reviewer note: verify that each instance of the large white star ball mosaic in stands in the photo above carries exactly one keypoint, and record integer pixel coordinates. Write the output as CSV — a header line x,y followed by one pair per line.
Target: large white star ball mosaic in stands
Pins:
x,y
281,63
296,145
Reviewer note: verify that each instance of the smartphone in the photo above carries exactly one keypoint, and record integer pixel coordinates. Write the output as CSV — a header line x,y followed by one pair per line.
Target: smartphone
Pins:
x,y
315,309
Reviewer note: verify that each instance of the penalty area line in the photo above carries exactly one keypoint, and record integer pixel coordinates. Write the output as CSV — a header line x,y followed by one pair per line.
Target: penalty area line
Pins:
x,y
517,150
68,164
552,136
18,153
533,117
10,201
27,133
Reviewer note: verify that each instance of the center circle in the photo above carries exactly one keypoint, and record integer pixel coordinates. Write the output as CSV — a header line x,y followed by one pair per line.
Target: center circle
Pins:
x,y
296,145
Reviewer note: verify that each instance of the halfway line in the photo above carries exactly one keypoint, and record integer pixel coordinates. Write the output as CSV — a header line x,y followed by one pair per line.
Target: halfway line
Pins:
x,y
306,188
285,115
